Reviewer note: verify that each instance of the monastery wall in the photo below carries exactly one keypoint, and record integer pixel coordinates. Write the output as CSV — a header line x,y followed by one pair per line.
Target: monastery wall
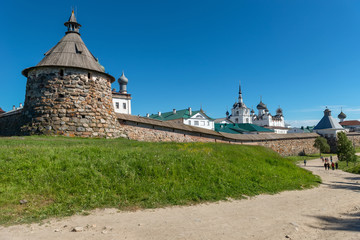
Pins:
x,y
145,129
354,137
10,123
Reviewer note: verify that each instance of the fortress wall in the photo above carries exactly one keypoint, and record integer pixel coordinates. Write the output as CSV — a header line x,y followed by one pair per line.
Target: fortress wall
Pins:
x,y
135,128
71,104
291,147
11,123
354,137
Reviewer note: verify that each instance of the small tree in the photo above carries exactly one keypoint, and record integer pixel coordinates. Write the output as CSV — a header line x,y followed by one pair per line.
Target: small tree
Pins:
x,y
345,149
322,145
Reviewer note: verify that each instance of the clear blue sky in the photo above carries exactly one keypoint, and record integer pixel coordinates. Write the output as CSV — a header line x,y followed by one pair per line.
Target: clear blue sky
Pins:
x,y
302,55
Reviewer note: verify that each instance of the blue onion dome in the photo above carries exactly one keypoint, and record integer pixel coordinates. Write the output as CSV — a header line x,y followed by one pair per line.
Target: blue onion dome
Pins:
x,y
122,79
342,115
261,105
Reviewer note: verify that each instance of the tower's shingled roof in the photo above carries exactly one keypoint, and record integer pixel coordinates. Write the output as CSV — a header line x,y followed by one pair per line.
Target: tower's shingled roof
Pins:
x,y
70,51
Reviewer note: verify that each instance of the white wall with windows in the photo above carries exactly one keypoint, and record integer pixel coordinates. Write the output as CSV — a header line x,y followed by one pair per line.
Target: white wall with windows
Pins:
x,y
122,105
200,120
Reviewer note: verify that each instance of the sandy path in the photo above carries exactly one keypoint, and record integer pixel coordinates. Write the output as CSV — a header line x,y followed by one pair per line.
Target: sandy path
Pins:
x,y
331,211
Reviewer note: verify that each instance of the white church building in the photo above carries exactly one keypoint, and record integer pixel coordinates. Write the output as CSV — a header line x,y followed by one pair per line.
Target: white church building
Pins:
x,y
242,114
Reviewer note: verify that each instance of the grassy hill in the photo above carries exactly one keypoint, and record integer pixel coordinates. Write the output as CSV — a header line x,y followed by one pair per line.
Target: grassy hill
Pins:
x,y
61,176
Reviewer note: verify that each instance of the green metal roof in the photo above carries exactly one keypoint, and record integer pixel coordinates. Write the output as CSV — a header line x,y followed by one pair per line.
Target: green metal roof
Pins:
x,y
178,115
239,128
308,129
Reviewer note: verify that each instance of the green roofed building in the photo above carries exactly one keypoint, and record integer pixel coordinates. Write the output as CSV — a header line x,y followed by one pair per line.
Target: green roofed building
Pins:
x,y
241,128
186,116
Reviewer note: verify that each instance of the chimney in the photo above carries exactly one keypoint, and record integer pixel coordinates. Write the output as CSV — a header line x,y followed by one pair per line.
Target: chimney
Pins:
x,y
159,113
190,111
147,115
21,105
174,111
14,108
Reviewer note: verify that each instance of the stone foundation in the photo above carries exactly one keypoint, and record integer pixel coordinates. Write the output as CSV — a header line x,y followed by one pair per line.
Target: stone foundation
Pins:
x,y
69,101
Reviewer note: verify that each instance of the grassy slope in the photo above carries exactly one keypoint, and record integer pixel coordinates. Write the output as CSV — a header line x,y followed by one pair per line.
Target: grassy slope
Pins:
x,y
353,167
62,176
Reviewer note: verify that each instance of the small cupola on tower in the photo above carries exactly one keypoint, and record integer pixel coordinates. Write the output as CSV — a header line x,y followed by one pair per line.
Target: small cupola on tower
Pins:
x,y
72,25
327,112
123,81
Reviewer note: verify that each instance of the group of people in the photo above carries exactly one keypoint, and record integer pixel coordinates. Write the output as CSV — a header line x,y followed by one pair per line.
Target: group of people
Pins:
x,y
328,163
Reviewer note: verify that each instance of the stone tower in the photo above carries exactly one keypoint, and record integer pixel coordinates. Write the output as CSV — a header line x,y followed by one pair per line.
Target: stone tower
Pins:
x,y
68,91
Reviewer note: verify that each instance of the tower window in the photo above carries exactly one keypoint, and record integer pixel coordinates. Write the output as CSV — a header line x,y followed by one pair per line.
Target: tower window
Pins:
x,y
124,105
117,105
89,75
61,72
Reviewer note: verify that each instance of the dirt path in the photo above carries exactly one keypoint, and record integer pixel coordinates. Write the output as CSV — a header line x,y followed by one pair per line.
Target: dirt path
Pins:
x,y
331,211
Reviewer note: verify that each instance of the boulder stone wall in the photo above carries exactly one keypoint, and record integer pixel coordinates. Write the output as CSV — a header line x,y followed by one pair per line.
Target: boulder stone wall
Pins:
x,y
11,123
291,147
150,133
69,101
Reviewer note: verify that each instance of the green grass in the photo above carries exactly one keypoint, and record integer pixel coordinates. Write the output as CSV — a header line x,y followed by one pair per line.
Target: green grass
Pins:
x,y
63,176
357,149
353,167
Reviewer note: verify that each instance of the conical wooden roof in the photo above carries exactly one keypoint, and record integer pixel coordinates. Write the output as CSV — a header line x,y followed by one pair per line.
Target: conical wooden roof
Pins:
x,y
70,51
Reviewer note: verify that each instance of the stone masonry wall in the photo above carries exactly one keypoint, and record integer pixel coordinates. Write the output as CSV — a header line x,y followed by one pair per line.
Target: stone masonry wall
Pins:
x,y
291,147
10,124
149,134
285,147
354,137
75,103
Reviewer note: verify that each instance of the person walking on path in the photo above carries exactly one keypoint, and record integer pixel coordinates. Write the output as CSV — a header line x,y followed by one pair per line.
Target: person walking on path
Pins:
x,y
332,166
328,166
336,165
330,158
304,162
325,165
